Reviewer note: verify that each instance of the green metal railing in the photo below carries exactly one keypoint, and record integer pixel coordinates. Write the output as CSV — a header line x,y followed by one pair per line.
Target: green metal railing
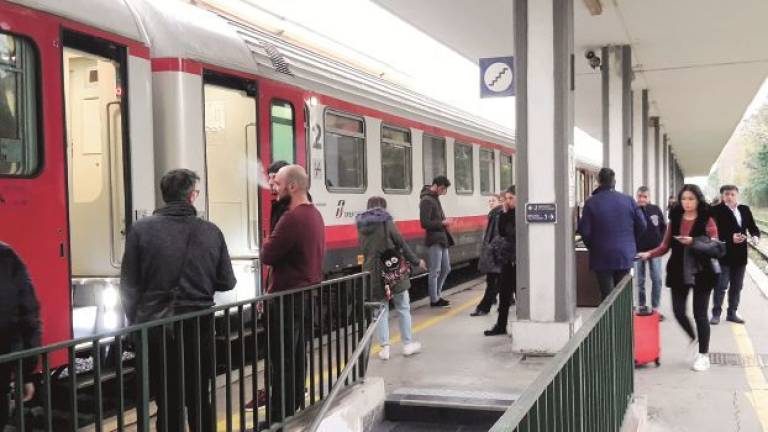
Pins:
x,y
588,385
293,344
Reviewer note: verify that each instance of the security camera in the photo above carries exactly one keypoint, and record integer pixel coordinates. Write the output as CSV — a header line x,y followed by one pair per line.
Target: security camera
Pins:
x,y
593,59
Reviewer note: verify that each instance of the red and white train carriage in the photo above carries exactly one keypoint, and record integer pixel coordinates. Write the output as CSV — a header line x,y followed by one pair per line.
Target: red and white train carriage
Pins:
x,y
111,94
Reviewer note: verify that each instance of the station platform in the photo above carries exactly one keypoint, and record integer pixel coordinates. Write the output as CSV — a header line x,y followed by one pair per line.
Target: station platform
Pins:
x,y
462,377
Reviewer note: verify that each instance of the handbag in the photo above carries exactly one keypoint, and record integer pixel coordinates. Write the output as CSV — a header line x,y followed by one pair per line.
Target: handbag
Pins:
x,y
503,250
394,267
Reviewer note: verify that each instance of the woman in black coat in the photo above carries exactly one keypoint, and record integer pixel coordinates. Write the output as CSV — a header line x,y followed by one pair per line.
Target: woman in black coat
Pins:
x,y
505,256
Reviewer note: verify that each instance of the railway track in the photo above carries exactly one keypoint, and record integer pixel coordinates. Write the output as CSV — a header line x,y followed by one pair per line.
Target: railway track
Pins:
x,y
762,251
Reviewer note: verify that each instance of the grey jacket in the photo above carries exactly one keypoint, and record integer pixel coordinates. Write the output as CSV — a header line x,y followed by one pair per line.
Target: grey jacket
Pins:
x,y
156,281
372,235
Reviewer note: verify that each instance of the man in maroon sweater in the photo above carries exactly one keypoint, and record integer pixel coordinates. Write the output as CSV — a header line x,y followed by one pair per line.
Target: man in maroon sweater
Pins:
x,y
295,251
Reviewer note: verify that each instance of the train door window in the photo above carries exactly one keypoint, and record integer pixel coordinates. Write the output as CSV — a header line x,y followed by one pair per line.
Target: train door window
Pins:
x,y
462,163
344,152
96,164
433,152
282,121
395,159
507,171
19,147
231,158
487,174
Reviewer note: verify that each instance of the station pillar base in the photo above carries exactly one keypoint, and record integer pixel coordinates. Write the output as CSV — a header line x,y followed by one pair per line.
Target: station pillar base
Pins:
x,y
542,337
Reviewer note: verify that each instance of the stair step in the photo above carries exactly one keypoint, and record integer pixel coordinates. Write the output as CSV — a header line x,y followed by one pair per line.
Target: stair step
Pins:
x,y
425,405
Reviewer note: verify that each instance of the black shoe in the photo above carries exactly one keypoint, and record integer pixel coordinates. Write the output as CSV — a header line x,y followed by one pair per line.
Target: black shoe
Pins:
x,y
441,303
661,317
495,331
735,319
715,320
478,312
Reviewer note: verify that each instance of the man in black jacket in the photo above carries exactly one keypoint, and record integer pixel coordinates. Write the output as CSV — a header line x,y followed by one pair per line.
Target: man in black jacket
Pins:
x,y
173,264
19,323
649,240
734,223
437,238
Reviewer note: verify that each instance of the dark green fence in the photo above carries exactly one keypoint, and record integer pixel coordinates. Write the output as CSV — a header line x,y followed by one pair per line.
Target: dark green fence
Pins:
x,y
588,385
285,352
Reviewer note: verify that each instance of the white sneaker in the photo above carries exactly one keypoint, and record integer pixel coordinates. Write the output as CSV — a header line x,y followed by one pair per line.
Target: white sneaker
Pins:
x,y
701,363
411,348
384,353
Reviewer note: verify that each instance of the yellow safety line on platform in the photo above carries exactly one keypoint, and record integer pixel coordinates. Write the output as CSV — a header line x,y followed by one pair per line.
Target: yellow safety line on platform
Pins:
x,y
431,322
758,394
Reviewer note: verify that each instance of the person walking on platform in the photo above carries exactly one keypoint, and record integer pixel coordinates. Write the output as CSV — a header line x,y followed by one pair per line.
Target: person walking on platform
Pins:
x,y
734,225
610,224
689,235
295,250
381,243
438,239
504,251
648,240
486,263
19,325
173,264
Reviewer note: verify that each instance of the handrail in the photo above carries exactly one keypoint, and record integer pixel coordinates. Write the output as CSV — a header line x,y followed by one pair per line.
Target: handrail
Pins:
x,y
516,413
170,320
362,348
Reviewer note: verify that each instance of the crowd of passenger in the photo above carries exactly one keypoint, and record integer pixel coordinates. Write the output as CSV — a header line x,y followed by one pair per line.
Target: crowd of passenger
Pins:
x,y
174,262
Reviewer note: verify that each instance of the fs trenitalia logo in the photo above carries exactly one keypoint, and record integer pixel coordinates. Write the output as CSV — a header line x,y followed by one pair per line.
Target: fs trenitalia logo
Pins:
x,y
340,211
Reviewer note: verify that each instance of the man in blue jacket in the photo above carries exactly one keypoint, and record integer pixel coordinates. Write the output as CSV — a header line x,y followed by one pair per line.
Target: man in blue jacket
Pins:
x,y
610,225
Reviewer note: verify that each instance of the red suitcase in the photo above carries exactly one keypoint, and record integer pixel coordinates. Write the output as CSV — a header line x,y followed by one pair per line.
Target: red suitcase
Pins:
x,y
647,341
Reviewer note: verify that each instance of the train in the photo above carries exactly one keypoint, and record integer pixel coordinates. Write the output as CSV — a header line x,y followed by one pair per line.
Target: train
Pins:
x,y
100,98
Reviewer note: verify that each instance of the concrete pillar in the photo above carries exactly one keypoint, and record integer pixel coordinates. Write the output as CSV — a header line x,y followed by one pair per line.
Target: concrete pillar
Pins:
x,y
617,112
636,143
546,303
656,162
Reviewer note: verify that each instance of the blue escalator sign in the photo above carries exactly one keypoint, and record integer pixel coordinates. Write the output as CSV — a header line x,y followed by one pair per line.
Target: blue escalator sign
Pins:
x,y
541,213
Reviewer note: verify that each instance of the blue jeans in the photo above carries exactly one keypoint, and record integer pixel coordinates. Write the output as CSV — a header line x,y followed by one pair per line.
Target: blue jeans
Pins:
x,y
439,267
733,275
655,266
403,307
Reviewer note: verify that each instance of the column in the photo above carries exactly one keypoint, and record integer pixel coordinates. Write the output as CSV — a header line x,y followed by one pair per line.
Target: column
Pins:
x,y
637,147
546,303
658,163
617,113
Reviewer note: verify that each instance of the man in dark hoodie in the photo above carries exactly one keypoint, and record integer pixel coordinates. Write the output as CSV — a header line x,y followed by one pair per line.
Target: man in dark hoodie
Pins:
x,y
19,324
173,264
650,239
437,238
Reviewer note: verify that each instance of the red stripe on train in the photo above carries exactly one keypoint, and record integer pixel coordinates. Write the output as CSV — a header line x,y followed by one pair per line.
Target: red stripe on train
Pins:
x,y
345,236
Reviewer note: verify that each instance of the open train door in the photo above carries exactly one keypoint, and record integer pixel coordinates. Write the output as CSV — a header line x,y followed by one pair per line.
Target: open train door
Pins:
x,y
33,179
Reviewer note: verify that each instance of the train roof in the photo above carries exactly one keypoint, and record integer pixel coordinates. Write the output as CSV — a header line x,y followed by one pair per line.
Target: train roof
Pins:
x,y
115,16
179,29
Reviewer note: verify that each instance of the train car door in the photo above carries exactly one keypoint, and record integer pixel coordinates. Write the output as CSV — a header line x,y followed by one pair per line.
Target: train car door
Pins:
x,y
232,178
94,79
33,213
283,135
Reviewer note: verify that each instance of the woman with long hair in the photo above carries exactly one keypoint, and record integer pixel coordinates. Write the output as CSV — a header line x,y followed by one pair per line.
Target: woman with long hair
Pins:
x,y
689,221
378,234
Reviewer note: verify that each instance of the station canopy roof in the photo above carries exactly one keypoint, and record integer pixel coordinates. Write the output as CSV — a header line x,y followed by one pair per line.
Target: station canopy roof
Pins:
x,y
703,61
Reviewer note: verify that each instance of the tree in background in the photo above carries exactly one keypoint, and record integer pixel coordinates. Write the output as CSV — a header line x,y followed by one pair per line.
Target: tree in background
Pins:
x,y
757,162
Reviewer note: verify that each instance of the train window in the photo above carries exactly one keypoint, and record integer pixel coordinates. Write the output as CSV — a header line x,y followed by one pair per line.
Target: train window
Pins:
x,y
344,152
395,159
433,152
487,172
462,166
19,147
283,143
507,174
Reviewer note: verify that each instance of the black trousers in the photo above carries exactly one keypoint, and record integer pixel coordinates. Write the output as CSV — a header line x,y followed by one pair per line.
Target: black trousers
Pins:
x,y
607,280
731,280
286,340
491,291
701,293
182,364
507,289
5,380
